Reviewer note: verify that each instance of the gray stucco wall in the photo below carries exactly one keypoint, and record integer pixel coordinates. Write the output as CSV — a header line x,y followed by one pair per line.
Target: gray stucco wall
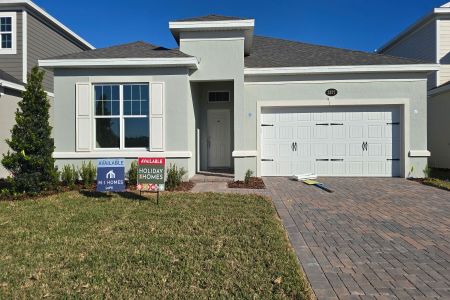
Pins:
x,y
439,130
12,63
313,88
221,58
179,117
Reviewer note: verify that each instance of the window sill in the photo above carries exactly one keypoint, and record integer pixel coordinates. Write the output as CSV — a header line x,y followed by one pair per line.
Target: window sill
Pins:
x,y
121,154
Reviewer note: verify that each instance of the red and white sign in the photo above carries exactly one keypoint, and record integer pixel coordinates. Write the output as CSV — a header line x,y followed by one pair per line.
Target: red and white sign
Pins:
x,y
151,161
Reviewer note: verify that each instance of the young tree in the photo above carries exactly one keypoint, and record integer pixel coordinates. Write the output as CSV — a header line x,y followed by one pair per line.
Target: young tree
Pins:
x,y
31,162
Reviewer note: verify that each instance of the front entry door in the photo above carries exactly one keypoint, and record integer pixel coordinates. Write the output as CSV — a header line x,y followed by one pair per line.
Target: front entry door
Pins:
x,y
219,141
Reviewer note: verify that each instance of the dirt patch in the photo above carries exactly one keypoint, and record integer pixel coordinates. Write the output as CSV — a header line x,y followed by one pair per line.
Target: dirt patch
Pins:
x,y
254,183
184,187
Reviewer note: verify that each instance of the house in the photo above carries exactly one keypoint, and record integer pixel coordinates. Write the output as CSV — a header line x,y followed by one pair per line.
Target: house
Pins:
x,y
429,39
27,33
228,99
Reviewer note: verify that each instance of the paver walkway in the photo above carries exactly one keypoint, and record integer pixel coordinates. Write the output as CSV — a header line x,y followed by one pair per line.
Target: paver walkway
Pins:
x,y
373,238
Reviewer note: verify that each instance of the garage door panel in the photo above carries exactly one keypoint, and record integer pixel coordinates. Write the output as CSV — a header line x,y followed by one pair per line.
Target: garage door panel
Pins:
x,y
326,135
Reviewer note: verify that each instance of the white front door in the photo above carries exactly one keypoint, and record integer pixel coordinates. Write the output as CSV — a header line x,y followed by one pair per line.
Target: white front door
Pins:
x,y
350,141
219,141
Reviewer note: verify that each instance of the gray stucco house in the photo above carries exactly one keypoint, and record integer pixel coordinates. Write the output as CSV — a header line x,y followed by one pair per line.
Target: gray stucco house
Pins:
x,y
228,99
27,33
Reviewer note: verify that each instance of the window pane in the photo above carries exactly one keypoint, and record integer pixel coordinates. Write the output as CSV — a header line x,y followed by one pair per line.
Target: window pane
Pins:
x,y
5,24
6,41
136,92
115,92
144,108
115,108
98,92
144,92
127,107
136,108
127,92
136,132
99,108
106,108
108,133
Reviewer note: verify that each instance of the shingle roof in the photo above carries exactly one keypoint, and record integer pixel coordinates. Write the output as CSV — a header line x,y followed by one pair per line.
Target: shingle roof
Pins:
x,y
8,77
210,18
270,52
131,50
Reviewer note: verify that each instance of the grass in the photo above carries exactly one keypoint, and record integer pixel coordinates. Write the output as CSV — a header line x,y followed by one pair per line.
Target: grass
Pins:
x,y
190,246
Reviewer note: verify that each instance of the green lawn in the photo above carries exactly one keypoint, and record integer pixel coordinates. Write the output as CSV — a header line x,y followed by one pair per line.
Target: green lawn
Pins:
x,y
190,246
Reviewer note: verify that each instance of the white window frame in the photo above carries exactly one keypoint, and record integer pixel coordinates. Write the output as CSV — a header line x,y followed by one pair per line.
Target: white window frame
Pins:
x,y
121,116
220,91
13,32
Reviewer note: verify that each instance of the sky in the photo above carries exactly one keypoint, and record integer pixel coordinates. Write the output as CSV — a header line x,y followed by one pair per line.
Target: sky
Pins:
x,y
352,24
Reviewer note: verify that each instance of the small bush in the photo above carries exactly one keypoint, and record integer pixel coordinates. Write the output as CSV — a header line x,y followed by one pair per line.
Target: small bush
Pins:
x,y
427,171
132,173
174,177
87,173
248,176
69,176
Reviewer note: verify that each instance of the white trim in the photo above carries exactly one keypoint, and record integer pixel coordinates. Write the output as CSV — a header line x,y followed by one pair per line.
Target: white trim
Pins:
x,y
245,153
49,17
12,85
419,153
439,90
229,24
13,49
118,62
342,69
403,102
438,48
330,81
50,94
124,154
24,46
212,39
220,91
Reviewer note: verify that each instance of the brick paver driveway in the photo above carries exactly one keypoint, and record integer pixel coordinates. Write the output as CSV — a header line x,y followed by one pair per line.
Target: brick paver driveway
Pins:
x,y
371,238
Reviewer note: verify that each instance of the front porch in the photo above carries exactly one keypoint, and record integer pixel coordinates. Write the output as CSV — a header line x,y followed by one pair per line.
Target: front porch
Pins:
x,y
214,123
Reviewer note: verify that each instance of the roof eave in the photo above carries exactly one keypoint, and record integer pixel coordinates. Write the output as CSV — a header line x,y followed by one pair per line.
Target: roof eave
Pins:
x,y
12,85
190,62
439,90
412,68
40,11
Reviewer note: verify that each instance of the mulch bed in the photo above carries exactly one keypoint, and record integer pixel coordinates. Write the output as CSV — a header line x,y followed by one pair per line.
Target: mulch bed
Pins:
x,y
254,183
184,187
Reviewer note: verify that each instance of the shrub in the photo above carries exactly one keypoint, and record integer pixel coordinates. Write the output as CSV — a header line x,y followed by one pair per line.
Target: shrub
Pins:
x,y
427,171
69,176
248,176
132,173
174,177
87,173
30,161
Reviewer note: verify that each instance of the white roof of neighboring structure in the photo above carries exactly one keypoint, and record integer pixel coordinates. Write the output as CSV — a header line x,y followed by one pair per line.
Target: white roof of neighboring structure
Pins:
x,y
442,10
46,15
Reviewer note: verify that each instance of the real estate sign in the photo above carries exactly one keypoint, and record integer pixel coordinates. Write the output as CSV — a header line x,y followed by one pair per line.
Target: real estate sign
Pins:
x,y
150,174
111,175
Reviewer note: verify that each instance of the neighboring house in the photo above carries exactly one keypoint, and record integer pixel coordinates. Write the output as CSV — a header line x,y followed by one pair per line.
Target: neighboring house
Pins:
x,y
228,99
27,33
429,39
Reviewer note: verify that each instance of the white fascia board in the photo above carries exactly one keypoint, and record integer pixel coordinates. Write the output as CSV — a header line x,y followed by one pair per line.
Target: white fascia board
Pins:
x,y
439,90
190,62
124,154
342,69
228,24
12,85
49,17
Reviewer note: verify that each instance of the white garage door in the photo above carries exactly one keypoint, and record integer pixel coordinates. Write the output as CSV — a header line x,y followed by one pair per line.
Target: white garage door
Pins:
x,y
356,141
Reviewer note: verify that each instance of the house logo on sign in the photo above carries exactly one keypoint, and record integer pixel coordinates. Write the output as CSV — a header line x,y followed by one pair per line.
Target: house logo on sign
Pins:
x,y
111,175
